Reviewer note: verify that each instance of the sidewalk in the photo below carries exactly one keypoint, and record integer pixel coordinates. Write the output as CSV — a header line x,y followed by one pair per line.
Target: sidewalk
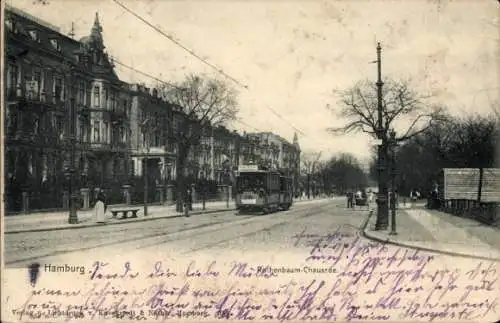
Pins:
x,y
59,220
440,232
49,221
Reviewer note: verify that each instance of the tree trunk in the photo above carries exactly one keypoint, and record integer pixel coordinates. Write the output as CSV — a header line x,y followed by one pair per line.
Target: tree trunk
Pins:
x,y
181,178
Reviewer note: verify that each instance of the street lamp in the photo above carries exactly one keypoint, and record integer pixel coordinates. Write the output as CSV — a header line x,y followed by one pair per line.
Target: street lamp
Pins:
x,y
145,165
73,217
392,144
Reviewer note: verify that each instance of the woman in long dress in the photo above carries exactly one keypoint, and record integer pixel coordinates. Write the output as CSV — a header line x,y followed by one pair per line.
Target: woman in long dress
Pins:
x,y
100,209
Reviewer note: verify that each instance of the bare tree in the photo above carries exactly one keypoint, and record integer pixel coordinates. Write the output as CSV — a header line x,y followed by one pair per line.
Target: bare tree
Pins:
x,y
205,102
310,161
358,105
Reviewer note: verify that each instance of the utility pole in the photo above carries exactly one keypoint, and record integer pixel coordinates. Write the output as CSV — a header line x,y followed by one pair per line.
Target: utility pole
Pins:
x,y
73,197
382,222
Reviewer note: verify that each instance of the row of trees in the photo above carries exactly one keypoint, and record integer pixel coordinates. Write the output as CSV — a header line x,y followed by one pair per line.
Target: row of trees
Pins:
x,y
337,175
427,136
458,142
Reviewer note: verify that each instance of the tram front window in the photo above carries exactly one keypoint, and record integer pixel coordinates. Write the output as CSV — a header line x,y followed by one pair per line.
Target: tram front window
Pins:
x,y
251,182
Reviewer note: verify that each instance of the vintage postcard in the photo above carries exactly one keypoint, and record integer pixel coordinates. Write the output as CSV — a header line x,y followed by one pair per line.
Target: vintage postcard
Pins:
x,y
278,161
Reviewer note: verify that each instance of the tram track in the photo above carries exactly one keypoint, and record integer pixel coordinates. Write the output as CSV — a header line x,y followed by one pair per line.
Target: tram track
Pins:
x,y
140,240
239,230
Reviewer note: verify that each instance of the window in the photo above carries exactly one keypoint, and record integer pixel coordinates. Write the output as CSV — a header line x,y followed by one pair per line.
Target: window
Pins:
x,y
105,95
9,23
34,35
123,135
60,127
97,131
55,44
58,88
113,98
12,78
36,125
125,106
81,92
82,130
33,85
157,138
97,96
13,119
105,132
86,93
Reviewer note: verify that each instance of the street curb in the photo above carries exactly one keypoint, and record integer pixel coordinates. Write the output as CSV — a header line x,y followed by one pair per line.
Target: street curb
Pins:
x,y
141,219
405,245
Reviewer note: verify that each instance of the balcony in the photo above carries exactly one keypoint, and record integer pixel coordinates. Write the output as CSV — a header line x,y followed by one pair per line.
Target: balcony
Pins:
x,y
117,115
14,95
101,146
118,146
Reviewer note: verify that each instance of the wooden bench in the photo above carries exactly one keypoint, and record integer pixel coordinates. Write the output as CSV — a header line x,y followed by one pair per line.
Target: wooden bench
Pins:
x,y
125,213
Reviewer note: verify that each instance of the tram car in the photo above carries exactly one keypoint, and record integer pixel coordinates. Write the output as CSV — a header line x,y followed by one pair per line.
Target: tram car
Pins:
x,y
263,191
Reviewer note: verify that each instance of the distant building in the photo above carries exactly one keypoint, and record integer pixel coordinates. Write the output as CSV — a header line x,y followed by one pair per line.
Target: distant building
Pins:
x,y
151,140
273,151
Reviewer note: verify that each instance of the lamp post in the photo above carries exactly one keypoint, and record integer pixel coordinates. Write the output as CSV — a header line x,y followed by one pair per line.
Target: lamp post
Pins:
x,y
146,183
393,182
204,183
145,165
382,205
73,217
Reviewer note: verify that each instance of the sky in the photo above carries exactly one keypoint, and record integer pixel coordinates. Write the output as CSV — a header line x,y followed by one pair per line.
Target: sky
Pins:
x,y
292,55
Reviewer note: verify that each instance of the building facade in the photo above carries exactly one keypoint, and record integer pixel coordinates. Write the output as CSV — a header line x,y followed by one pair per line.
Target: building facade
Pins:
x,y
123,133
152,150
46,74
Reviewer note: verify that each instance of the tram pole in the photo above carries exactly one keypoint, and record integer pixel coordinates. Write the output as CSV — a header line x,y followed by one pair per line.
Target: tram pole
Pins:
x,y
382,221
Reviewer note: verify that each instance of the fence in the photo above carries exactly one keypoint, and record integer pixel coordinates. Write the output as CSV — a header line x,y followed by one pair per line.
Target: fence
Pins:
x,y
463,186
484,212
53,199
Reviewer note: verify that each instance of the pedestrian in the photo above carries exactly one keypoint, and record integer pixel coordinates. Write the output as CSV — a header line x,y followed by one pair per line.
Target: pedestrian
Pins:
x,y
370,198
189,199
100,208
413,197
350,198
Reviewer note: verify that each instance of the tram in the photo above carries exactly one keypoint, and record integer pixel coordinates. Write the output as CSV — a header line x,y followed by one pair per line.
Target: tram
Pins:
x,y
262,190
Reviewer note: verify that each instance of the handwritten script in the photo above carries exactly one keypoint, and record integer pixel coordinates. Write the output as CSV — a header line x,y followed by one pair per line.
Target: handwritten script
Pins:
x,y
342,277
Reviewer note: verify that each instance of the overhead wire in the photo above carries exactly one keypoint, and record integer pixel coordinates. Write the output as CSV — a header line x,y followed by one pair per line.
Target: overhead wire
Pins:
x,y
169,37
172,85
192,53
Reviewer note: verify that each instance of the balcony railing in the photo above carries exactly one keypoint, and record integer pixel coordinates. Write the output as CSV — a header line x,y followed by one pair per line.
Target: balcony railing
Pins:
x,y
100,145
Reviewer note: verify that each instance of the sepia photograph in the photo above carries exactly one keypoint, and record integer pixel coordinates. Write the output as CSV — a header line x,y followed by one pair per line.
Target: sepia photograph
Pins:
x,y
282,160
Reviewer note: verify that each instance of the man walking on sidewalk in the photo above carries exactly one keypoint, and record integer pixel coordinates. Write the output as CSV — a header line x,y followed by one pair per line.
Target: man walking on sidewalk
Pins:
x,y
350,199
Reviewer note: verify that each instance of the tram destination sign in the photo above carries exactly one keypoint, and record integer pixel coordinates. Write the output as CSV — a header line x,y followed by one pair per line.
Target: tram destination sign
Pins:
x,y
248,168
